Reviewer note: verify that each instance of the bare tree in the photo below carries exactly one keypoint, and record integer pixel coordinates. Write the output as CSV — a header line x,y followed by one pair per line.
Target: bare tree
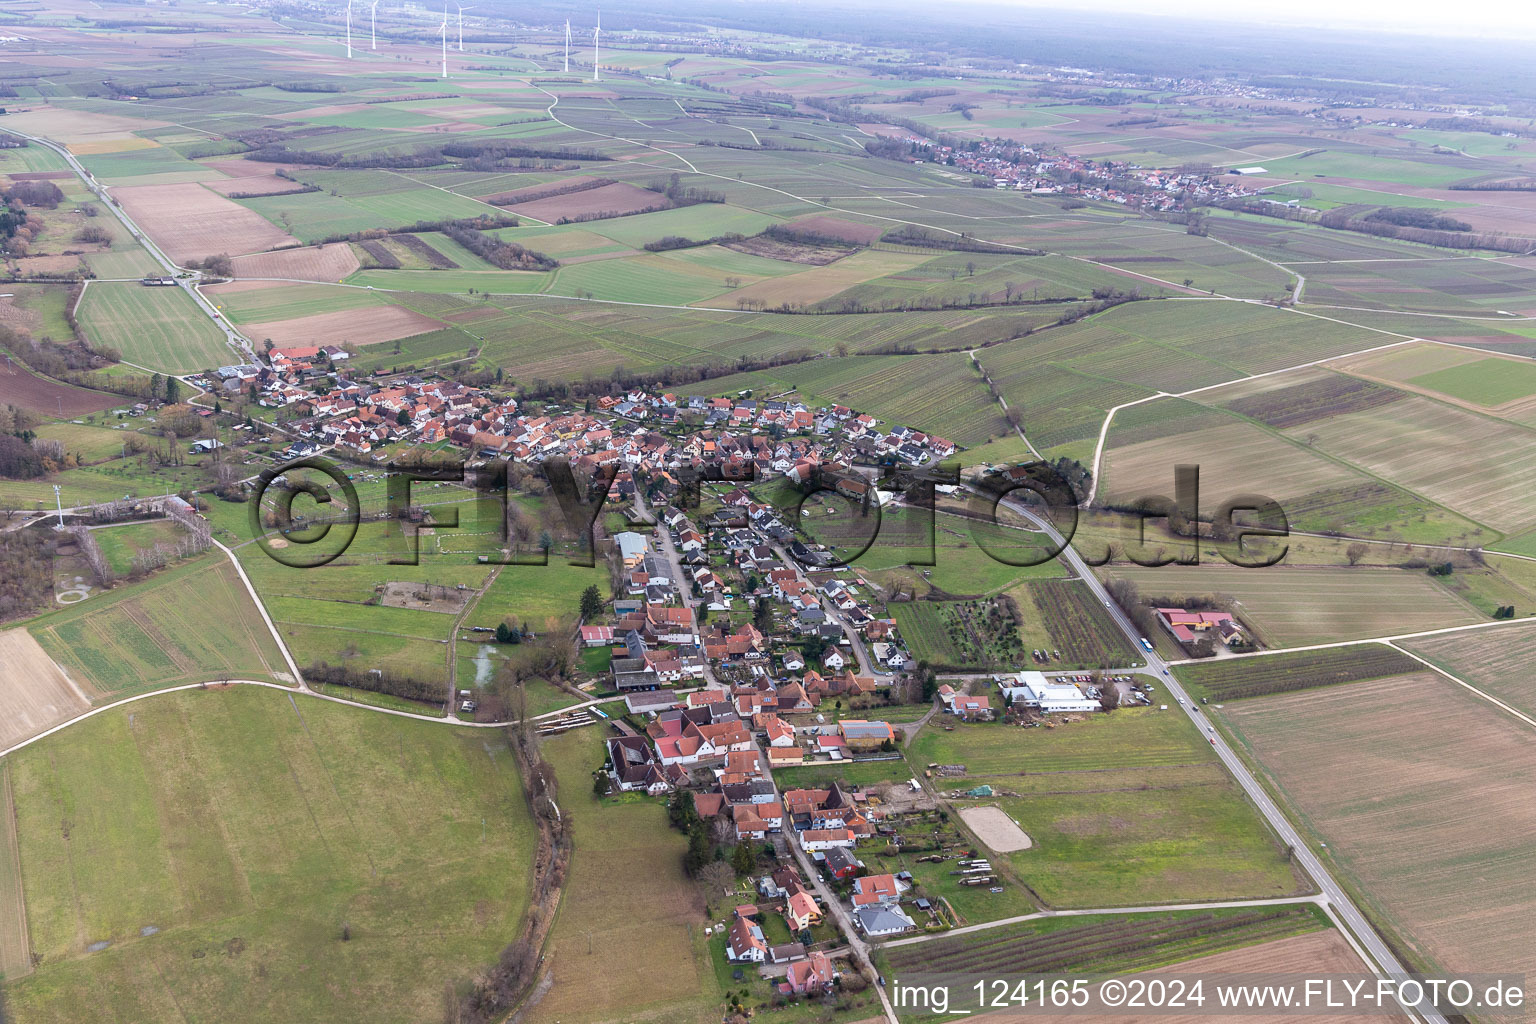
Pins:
x,y
1355,552
721,830
717,876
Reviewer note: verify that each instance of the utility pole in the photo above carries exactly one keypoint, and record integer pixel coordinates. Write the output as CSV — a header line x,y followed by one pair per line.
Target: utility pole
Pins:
x,y
59,501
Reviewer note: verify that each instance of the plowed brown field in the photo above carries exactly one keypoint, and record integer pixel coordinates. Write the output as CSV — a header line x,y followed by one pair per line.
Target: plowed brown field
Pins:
x,y
189,222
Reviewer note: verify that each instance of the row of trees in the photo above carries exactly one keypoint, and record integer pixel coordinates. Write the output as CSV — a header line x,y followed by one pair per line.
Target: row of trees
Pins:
x,y
499,253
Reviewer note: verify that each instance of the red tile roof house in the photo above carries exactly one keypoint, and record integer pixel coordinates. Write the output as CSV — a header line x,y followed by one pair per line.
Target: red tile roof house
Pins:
x,y
744,762
783,757
1184,625
872,890
780,733
801,911
749,825
814,840
973,708
707,805
811,976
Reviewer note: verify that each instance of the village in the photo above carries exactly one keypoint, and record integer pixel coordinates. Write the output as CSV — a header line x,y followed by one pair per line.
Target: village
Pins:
x,y
1012,165
741,647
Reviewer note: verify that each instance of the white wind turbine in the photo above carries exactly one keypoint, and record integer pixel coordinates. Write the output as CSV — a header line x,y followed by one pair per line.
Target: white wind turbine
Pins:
x,y
349,29
462,9
597,30
373,22
567,44
443,30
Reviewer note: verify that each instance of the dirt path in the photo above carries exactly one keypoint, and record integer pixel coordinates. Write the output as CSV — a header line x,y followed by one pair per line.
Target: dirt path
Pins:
x,y
453,639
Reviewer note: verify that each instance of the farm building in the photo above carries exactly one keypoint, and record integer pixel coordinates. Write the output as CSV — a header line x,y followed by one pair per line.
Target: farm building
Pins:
x,y
634,674
1186,626
862,735
1033,690
648,701
597,636
632,548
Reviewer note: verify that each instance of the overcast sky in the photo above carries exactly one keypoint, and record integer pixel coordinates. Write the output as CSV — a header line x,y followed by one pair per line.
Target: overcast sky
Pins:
x,y
1500,19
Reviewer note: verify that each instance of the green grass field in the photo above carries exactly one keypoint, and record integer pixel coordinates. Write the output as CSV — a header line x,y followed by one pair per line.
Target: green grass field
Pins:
x,y
1122,808
262,305
122,544
661,911
159,328
148,635
219,842
1488,382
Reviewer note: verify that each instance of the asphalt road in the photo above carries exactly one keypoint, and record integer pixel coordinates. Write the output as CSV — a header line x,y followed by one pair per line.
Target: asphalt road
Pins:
x,y
1339,902
189,285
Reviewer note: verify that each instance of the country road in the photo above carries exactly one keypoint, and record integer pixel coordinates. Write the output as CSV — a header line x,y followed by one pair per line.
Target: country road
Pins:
x,y
1339,905
238,342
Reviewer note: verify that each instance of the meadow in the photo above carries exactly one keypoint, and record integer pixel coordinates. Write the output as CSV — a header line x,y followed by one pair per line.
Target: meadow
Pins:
x,y
263,301
1122,808
147,635
157,328
674,979
122,544
239,854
